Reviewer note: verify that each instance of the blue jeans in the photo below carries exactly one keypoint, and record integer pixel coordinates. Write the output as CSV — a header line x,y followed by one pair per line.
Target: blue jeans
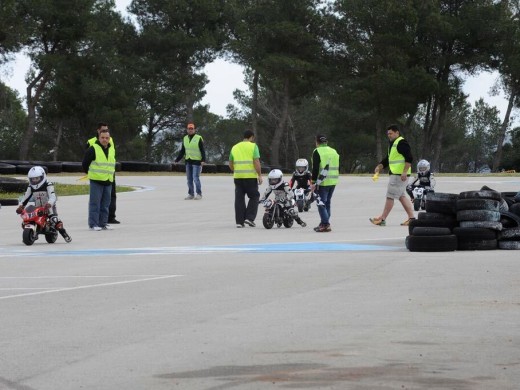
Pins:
x,y
98,204
193,176
325,194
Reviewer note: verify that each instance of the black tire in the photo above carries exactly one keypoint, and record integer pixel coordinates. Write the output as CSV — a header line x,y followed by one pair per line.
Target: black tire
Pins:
x,y
9,202
71,167
288,222
299,204
439,223
508,194
223,168
427,216
416,204
441,206
52,166
179,167
515,209
446,243
431,231
477,245
478,215
268,221
28,236
509,244
509,220
482,194
481,224
10,184
156,167
7,169
209,168
510,234
407,242
475,233
51,237
25,168
135,166
442,196
478,204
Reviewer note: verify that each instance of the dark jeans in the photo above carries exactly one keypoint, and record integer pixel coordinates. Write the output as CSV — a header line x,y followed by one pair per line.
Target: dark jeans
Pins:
x,y
113,200
245,187
193,177
98,204
325,193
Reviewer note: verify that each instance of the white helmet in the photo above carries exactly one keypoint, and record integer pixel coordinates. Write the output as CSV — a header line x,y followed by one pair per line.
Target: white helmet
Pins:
x,y
302,166
423,166
275,178
36,177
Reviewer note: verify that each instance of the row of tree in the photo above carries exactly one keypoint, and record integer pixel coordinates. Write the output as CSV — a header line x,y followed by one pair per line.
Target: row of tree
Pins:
x,y
347,68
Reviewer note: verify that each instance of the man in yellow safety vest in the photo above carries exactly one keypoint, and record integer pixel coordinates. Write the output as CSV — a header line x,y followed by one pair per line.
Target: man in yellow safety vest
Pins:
x,y
192,150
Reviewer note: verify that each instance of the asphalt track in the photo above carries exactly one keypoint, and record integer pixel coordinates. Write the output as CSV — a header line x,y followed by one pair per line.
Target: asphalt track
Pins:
x,y
176,297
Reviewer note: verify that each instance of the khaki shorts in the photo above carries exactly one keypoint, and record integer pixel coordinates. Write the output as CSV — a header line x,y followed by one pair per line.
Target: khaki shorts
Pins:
x,y
396,187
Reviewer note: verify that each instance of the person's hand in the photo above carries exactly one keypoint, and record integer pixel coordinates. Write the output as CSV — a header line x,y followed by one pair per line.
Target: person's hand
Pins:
x,y
260,180
313,187
47,205
19,209
404,176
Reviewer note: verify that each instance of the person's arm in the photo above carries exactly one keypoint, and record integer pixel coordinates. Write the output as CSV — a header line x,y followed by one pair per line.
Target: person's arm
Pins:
x,y
315,166
231,165
90,155
258,168
51,194
181,154
403,147
202,151
25,198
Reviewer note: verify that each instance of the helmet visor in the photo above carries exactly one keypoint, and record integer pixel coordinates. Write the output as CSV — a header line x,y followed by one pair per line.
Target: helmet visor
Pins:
x,y
35,180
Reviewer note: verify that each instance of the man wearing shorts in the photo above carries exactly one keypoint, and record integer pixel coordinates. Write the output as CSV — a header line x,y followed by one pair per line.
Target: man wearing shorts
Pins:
x,y
399,162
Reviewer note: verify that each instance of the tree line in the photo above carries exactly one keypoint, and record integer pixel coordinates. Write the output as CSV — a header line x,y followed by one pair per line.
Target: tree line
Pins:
x,y
346,68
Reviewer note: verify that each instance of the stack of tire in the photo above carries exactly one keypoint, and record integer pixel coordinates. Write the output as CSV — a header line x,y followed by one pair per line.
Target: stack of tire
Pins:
x,y
478,214
432,231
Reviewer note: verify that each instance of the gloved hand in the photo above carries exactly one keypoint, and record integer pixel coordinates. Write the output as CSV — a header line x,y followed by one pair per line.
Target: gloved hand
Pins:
x,y
19,209
47,205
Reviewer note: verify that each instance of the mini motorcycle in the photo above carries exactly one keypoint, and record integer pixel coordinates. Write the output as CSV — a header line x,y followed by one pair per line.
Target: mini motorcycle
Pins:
x,y
303,201
36,221
419,197
277,213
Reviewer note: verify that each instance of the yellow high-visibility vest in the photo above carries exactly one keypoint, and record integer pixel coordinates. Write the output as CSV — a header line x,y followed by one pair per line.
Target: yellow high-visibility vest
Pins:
x,y
396,160
103,167
243,166
191,148
329,156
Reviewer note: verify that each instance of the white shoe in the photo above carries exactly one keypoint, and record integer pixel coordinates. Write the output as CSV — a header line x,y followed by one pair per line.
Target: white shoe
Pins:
x,y
95,228
107,227
197,197
189,197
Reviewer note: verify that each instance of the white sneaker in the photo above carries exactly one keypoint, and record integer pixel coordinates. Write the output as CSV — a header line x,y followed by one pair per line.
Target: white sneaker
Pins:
x,y
95,228
189,197
197,197
107,227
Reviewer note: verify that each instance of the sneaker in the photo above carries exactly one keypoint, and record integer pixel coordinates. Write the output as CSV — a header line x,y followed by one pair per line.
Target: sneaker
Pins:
x,y
250,223
322,228
107,227
189,197
407,222
240,225
198,197
113,221
95,228
378,221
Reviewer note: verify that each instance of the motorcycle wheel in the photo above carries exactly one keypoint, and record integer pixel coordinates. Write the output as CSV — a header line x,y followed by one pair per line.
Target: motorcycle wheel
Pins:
x,y
416,204
299,204
28,236
288,222
268,220
51,237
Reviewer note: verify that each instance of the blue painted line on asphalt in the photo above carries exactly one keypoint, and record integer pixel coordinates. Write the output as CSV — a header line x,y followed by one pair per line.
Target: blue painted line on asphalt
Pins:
x,y
296,247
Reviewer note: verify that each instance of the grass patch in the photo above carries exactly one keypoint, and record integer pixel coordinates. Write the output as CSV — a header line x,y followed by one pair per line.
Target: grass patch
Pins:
x,y
66,190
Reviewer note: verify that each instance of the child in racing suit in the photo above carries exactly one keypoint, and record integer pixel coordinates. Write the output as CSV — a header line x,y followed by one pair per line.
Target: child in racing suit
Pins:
x,y
424,178
282,192
302,178
42,193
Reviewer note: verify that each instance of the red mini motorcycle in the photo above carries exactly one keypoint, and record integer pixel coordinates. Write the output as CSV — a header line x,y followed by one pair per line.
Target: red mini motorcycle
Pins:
x,y
36,221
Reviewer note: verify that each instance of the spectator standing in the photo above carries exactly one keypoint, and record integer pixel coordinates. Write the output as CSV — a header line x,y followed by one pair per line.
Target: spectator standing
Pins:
x,y
99,163
244,162
399,161
113,197
194,157
322,157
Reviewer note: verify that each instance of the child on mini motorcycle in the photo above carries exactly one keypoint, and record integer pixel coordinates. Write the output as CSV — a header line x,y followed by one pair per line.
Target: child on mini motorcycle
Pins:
x,y
424,178
301,178
282,192
42,193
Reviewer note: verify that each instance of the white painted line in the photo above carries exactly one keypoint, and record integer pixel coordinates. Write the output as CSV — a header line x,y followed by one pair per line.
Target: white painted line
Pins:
x,y
78,276
88,286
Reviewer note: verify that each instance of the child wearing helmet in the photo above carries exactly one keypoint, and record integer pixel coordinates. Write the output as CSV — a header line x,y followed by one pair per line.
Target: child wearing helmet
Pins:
x,y
424,178
42,193
301,178
282,192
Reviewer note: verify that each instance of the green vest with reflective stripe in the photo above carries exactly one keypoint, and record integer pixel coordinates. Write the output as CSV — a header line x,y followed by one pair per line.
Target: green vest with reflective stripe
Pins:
x,y
191,148
93,140
102,168
243,166
396,160
329,156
